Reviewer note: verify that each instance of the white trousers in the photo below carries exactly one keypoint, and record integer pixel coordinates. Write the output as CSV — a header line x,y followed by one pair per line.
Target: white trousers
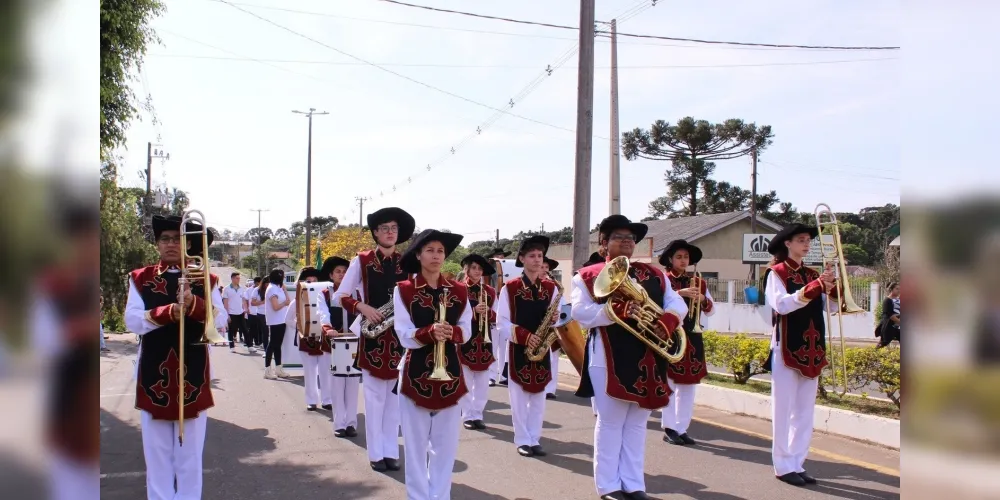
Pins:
x,y
430,441
554,383
500,352
679,411
317,368
528,411
793,401
345,402
619,440
381,418
474,402
166,459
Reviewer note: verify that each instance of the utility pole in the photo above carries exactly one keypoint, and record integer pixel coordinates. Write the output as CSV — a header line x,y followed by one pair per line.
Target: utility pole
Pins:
x,y
498,237
614,183
150,154
584,136
361,211
260,256
309,162
753,203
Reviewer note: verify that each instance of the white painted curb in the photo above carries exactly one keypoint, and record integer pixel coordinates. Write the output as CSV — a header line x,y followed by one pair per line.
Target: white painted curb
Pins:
x,y
878,430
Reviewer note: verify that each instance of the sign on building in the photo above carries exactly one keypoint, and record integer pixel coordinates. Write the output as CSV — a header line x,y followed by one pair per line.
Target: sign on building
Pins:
x,y
755,248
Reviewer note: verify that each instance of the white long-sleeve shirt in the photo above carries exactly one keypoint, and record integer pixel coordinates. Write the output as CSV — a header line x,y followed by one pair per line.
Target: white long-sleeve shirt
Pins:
x,y
350,284
591,314
505,324
135,311
777,297
407,331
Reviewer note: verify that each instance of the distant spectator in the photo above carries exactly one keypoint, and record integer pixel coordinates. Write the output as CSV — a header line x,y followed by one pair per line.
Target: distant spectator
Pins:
x,y
889,326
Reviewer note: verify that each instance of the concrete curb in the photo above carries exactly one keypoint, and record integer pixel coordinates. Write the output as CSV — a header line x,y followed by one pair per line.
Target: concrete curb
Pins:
x,y
878,430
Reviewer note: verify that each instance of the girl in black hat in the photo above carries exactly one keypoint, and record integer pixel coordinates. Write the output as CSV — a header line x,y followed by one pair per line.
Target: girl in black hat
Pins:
x,y
688,372
798,348
430,407
373,274
477,354
336,322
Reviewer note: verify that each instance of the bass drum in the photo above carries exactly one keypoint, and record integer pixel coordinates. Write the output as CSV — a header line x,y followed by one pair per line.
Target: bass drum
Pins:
x,y
571,337
345,350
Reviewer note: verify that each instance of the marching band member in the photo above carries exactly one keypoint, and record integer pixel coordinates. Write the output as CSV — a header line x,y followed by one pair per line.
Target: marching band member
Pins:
x,y
685,375
374,273
500,339
625,378
345,388
432,337
316,359
549,265
477,354
521,307
798,348
152,311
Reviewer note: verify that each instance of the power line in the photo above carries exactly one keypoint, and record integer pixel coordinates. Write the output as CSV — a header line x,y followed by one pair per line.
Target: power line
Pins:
x,y
822,169
633,35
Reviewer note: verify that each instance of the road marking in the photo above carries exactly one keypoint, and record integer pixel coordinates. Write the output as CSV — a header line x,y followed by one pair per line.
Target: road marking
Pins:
x,y
142,473
823,453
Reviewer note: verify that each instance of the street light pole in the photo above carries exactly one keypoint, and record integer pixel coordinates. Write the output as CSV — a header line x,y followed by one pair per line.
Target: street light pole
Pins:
x,y
312,111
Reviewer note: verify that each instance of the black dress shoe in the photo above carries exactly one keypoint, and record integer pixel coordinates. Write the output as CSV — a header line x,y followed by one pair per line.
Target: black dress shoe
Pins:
x,y
807,478
340,433
502,382
687,439
793,479
493,382
328,407
614,495
469,424
311,407
550,396
524,451
538,451
351,431
378,466
479,424
672,437
391,463
637,495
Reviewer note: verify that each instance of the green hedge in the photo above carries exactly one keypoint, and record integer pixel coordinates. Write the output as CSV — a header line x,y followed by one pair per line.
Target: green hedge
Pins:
x,y
743,357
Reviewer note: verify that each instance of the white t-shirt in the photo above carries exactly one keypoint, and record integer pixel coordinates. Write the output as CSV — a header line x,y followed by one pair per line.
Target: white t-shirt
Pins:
x,y
234,298
250,294
272,316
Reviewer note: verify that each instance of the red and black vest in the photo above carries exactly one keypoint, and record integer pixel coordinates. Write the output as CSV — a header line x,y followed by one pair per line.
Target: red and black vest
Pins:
x,y
692,367
528,303
635,373
379,275
476,353
801,333
422,303
158,380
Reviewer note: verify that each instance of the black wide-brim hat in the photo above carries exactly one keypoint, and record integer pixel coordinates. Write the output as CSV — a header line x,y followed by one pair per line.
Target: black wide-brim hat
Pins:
x,y
409,262
553,264
595,258
693,251
173,223
531,241
329,265
393,214
618,221
488,269
500,251
777,243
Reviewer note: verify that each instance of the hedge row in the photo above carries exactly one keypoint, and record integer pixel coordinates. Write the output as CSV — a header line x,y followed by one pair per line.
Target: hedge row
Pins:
x,y
743,357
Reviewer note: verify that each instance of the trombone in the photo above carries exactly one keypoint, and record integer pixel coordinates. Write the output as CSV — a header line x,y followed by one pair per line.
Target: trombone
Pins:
x,y
193,268
440,373
833,253
695,311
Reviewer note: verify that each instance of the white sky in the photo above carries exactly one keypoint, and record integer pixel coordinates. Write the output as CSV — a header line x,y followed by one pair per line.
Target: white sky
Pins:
x,y
235,145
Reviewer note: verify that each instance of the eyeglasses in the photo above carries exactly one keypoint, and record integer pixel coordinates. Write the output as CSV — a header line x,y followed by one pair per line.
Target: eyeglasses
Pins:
x,y
385,228
170,239
622,237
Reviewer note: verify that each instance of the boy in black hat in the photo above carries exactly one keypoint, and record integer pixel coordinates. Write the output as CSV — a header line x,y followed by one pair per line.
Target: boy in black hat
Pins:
x,y
624,376
477,353
433,317
345,385
798,348
688,372
549,265
521,307
374,274
315,353
153,311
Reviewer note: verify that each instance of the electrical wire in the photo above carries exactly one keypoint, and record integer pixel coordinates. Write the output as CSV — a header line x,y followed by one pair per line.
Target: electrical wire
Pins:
x,y
823,169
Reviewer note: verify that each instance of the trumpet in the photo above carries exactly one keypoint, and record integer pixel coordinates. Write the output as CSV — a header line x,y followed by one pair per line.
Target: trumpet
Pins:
x,y
193,268
834,252
695,312
440,373
614,282
484,319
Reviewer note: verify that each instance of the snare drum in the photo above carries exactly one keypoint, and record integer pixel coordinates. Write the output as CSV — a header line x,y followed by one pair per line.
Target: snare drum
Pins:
x,y
345,349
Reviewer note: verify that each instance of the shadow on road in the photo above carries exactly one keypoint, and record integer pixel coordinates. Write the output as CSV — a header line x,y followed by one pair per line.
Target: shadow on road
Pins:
x,y
229,462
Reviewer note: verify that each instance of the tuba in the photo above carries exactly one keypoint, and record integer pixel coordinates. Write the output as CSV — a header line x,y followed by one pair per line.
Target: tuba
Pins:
x,y
545,330
614,282
833,253
194,268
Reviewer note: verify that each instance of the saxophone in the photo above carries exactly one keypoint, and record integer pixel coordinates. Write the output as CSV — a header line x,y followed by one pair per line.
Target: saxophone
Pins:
x,y
371,330
545,331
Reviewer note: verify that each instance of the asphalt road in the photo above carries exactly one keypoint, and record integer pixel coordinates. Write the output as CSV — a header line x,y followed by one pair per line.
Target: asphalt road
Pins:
x,y
262,443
